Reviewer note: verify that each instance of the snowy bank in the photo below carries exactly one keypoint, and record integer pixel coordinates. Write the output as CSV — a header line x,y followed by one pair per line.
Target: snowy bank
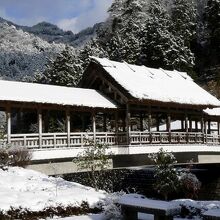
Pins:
x,y
35,191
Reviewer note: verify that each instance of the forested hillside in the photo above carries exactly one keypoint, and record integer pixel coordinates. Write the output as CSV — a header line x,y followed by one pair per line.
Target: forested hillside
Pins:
x,y
22,54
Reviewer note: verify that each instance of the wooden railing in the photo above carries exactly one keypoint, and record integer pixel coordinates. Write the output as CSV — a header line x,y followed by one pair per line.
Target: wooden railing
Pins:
x,y
80,139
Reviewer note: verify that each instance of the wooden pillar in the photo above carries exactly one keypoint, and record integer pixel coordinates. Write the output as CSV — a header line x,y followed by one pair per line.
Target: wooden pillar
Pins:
x,y
68,126
141,122
190,125
128,123
186,128
150,124
182,125
196,125
8,117
202,128
158,123
209,126
94,126
39,112
205,127
218,123
104,123
169,126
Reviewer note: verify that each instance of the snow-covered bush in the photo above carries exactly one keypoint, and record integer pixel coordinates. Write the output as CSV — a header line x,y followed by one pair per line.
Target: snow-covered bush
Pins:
x,y
112,210
93,159
190,185
14,156
166,176
19,156
170,181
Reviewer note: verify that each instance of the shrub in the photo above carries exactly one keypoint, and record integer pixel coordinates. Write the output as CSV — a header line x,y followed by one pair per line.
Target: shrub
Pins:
x,y
166,176
169,181
19,156
15,156
190,185
95,160
26,214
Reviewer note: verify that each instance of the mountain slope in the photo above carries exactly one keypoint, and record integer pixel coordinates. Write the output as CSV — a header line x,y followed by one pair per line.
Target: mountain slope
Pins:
x,y
52,33
23,54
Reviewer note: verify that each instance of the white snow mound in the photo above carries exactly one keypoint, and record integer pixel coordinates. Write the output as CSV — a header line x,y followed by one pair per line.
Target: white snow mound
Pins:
x,y
35,191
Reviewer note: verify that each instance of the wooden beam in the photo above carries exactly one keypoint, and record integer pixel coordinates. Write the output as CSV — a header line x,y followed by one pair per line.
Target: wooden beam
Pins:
x,y
168,123
8,117
182,125
68,126
209,126
141,122
94,126
169,126
158,123
218,127
186,128
190,125
128,123
196,125
40,126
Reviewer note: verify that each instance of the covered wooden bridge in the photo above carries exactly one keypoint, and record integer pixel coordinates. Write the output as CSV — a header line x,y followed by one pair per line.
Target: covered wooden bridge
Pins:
x,y
119,104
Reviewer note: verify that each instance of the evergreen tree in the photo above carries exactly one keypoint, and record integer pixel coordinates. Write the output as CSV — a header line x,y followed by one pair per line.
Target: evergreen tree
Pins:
x,y
65,70
92,48
212,19
161,47
183,15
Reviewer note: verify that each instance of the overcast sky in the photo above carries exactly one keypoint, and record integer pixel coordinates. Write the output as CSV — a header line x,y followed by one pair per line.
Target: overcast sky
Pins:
x,y
73,15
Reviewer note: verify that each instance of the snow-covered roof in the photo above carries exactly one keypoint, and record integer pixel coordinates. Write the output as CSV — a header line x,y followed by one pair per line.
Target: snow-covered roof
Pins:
x,y
49,94
212,112
160,85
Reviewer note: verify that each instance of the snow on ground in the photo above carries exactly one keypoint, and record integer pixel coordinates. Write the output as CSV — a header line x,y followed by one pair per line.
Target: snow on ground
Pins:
x,y
33,190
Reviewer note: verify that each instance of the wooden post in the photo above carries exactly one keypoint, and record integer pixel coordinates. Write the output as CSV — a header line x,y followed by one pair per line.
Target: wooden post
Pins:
x,y
158,123
209,126
182,125
190,125
169,126
150,124
186,129
196,125
218,127
94,126
202,129
8,116
116,128
128,123
141,122
68,126
40,127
